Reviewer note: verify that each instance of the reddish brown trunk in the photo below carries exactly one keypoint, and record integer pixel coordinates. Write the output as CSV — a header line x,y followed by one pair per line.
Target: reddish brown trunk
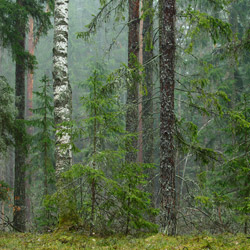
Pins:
x,y
133,36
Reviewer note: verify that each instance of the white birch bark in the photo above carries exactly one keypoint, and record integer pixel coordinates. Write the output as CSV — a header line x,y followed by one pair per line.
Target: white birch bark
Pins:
x,y
62,88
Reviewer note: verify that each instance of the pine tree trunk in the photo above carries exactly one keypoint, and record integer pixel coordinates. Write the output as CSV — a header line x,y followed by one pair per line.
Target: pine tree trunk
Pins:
x,y
148,120
132,87
167,48
19,183
30,76
30,81
140,124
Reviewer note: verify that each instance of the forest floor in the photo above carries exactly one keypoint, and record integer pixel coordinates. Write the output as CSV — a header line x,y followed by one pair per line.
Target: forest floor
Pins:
x,y
75,241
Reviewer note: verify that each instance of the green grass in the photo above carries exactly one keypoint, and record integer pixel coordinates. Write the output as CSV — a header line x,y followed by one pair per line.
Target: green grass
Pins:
x,y
75,241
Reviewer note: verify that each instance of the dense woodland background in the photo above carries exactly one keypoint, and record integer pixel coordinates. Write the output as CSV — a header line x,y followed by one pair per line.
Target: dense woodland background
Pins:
x,y
119,180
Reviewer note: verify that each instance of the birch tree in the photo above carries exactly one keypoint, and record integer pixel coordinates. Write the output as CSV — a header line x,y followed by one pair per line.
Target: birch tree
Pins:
x,y
167,49
62,88
62,114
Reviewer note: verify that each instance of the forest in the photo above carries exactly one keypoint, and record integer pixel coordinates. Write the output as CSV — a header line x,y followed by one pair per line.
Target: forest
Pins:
x,y
124,124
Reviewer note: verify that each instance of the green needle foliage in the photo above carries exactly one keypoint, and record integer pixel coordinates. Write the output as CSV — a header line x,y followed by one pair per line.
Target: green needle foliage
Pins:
x,y
110,192
7,115
43,151
12,13
4,191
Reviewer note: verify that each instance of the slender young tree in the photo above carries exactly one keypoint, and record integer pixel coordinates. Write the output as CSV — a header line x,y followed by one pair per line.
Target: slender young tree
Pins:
x,y
167,47
147,101
132,87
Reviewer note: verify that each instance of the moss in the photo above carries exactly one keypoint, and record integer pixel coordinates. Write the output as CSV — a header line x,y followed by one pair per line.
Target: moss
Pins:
x,y
74,241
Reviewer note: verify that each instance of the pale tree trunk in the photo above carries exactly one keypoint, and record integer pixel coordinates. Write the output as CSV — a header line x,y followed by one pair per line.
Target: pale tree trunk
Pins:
x,y
62,88
148,109
30,80
167,15
62,108
140,134
30,76
132,87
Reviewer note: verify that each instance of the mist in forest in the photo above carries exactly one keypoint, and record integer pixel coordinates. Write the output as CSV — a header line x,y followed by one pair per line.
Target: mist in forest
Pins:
x,y
125,116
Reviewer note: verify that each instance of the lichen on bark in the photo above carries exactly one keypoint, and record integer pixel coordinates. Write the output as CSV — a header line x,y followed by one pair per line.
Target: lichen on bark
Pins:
x,y
62,88
62,116
167,14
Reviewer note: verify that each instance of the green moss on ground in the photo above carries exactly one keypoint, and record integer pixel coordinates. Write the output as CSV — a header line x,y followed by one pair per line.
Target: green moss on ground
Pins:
x,y
75,241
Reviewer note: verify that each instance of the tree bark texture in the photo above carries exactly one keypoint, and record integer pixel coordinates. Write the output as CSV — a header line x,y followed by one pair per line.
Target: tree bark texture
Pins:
x,y
148,119
62,115
167,47
62,88
140,124
30,76
19,182
132,86
29,106
1,59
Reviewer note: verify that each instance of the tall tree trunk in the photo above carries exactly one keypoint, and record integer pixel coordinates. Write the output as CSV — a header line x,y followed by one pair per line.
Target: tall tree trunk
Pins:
x,y
148,108
148,120
140,124
30,76
62,88
30,84
147,104
62,108
132,87
19,183
30,80
167,15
